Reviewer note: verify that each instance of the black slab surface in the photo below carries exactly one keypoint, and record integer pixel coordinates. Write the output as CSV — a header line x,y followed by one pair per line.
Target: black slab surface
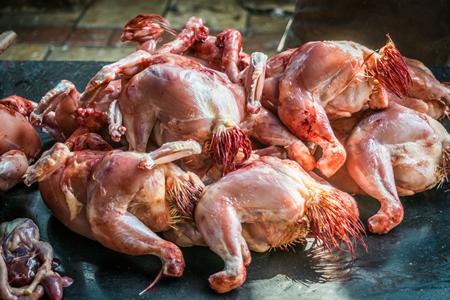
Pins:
x,y
411,262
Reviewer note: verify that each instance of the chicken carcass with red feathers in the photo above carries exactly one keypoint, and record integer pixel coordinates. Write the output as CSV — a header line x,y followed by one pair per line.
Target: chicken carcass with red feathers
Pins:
x,y
271,203
331,79
189,101
109,197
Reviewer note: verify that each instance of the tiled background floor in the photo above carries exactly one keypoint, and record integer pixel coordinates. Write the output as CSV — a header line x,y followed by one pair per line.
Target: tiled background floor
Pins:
x,y
92,30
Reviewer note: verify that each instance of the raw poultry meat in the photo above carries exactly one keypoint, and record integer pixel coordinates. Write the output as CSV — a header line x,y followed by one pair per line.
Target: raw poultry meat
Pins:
x,y
205,88
190,101
329,79
425,93
222,52
145,30
60,114
271,203
19,142
16,131
390,153
322,81
27,264
110,197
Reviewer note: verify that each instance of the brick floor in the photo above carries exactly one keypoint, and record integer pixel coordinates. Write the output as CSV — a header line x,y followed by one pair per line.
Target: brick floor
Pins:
x,y
99,25
90,37
46,35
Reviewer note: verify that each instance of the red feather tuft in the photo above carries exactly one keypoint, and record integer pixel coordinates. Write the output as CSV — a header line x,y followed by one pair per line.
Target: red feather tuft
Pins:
x,y
185,192
391,71
331,221
226,144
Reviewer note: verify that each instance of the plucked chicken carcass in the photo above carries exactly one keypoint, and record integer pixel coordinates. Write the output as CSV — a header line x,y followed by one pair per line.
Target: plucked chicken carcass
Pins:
x,y
319,81
322,81
390,153
27,264
109,197
268,203
282,205
212,114
224,53
189,101
19,142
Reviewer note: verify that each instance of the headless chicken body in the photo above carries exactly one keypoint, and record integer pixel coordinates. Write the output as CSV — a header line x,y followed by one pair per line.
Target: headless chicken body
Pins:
x,y
270,203
109,197
393,152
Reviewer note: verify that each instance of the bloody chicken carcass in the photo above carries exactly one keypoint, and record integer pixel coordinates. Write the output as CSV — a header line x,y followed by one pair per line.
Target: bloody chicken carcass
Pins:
x,y
109,197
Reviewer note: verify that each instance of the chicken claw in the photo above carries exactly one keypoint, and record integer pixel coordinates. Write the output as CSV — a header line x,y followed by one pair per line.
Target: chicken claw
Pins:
x,y
49,162
169,152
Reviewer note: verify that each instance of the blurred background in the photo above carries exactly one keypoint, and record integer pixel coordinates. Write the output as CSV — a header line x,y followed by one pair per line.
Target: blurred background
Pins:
x,y
90,29
82,30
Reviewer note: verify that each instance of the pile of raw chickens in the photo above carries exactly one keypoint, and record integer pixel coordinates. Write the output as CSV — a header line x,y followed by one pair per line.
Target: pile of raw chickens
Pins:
x,y
206,145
